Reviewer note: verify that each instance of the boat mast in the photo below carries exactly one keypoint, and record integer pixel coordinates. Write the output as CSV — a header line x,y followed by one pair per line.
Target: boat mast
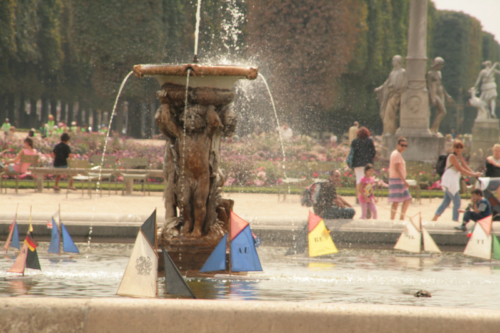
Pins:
x,y
229,240
59,230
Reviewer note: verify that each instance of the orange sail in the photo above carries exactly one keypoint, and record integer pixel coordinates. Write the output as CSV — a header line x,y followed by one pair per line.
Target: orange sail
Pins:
x,y
7,243
20,262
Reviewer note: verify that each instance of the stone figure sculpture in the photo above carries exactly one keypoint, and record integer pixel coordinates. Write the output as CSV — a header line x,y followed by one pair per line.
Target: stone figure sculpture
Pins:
x,y
480,105
437,93
193,177
488,86
389,95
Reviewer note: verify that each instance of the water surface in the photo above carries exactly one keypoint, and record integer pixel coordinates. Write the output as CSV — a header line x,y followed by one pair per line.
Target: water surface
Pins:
x,y
351,276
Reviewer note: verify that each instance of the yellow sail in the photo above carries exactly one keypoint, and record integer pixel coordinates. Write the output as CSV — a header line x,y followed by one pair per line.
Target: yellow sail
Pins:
x,y
320,241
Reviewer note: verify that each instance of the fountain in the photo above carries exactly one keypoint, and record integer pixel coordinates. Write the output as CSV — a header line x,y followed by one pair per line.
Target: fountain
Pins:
x,y
195,114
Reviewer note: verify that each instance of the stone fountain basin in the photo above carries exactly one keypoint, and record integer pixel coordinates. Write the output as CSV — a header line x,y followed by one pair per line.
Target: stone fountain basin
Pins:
x,y
201,75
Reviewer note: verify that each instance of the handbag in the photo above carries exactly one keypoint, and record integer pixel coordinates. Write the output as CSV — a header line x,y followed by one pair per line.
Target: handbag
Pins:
x,y
349,158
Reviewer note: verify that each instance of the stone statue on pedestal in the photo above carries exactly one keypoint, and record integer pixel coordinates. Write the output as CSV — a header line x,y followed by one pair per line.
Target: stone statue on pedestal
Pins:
x,y
437,93
488,86
389,95
480,105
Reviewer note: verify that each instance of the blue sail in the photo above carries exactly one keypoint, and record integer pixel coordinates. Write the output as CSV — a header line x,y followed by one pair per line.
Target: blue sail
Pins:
x,y
54,239
15,237
217,260
244,257
68,245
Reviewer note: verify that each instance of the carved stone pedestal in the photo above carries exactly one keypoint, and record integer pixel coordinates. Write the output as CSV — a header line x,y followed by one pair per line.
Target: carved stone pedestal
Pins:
x,y
485,134
420,148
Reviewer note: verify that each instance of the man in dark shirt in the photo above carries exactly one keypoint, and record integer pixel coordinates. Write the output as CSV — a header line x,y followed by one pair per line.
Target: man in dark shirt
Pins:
x,y
61,153
479,209
330,205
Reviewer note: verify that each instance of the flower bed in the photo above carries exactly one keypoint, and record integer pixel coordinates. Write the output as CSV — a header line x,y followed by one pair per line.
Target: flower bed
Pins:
x,y
254,160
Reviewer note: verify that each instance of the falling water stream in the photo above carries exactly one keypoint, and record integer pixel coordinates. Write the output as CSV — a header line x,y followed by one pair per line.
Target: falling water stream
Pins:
x,y
98,189
197,30
183,167
279,132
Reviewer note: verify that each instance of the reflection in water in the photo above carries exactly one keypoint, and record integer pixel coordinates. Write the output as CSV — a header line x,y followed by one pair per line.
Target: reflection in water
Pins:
x,y
351,276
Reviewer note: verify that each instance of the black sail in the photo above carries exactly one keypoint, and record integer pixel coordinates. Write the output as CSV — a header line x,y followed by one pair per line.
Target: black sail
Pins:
x,y
174,282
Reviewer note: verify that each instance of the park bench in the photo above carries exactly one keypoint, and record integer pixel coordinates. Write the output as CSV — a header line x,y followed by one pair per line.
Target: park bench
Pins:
x,y
141,167
40,172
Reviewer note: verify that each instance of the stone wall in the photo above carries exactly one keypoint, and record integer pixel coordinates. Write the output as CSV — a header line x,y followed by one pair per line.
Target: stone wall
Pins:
x,y
202,316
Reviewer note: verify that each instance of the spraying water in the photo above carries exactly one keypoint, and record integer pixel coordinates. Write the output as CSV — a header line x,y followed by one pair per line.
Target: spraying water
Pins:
x,y
197,31
232,25
278,122
109,127
183,180
98,187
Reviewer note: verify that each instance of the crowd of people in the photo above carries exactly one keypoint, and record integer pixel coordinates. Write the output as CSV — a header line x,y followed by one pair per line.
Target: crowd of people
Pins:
x,y
330,205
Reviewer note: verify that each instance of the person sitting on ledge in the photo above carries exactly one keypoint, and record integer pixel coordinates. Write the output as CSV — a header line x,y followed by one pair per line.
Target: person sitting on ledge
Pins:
x,y
330,205
493,163
477,210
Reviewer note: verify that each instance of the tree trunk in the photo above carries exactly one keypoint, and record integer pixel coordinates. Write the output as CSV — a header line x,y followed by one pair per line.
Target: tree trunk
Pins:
x,y
86,117
117,123
3,110
147,120
71,112
21,113
53,109
134,120
79,116
33,116
11,109
95,121
63,111
45,109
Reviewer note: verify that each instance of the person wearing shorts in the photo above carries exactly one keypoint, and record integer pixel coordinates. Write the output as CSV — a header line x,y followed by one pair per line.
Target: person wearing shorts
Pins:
x,y
61,153
398,187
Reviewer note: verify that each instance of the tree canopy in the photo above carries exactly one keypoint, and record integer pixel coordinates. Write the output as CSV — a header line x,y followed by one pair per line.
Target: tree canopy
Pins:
x,y
322,58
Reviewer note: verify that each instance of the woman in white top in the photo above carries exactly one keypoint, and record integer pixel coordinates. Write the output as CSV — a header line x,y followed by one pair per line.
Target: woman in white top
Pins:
x,y
450,180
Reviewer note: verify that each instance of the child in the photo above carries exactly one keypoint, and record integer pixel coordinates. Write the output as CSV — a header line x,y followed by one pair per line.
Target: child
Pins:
x,y
367,198
61,153
477,210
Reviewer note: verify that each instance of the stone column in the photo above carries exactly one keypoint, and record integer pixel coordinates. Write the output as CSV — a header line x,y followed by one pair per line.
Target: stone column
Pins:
x,y
414,118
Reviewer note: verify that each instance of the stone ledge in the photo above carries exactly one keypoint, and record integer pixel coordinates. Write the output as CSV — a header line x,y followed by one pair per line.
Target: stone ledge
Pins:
x,y
142,315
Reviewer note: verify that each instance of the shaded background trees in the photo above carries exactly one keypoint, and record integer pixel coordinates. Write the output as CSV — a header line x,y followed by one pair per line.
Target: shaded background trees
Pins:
x,y
322,58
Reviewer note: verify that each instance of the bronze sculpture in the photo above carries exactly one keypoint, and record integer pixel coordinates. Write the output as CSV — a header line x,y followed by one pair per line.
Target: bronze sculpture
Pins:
x,y
193,120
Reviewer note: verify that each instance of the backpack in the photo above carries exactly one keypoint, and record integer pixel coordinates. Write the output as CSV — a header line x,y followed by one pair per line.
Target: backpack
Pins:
x,y
310,195
441,164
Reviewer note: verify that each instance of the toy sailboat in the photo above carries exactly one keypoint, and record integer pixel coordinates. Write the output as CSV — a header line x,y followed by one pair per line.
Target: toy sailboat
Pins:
x,y
58,229
27,258
13,238
320,240
242,253
483,241
141,275
412,236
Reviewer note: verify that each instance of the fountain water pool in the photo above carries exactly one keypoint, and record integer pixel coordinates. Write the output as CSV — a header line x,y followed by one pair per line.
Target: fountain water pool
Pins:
x,y
351,276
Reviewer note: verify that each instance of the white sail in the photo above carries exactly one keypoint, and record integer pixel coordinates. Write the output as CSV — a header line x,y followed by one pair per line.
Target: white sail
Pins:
x,y
479,244
429,244
410,239
141,273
